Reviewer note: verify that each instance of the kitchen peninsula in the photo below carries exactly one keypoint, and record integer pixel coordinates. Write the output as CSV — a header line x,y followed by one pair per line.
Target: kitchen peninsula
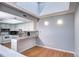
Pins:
x,y
24,42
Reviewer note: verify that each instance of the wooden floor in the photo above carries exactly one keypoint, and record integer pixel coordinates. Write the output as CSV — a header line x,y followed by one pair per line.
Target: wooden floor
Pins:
x,y
7,45
44,52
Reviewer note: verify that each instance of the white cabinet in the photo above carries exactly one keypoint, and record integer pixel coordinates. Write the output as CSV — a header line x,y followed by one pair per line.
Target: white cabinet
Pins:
x,y
4,26
12,27
23,44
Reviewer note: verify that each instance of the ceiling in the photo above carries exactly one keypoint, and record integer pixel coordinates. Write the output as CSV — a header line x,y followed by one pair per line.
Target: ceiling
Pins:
x,y
38,9
11,19
44,9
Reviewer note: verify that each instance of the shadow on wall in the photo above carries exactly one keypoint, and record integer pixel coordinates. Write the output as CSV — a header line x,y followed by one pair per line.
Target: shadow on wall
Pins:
x,y
1,56
38,42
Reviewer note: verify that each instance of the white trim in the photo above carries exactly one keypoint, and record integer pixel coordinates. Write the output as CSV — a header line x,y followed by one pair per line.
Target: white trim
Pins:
x,y
58,49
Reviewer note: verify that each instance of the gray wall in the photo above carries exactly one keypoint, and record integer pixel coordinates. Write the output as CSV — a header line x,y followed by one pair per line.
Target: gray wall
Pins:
x,y
56,36
77,31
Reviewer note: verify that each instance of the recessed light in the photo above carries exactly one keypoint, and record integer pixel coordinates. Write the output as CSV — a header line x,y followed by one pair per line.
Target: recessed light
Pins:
x,y
46,23
60,21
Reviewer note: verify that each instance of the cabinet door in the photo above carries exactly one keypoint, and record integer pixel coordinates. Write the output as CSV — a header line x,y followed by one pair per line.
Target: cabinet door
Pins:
x,y
4,26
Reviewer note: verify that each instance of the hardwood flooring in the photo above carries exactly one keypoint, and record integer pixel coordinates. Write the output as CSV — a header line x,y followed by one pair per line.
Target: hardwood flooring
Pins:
x,y
7,45
44,52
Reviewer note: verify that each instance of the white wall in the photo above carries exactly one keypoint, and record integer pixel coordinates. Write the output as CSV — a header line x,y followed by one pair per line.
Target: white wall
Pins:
x,y
56,36
77,31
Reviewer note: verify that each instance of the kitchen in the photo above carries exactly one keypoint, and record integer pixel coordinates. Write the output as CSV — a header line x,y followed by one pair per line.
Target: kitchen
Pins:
x,y
12,28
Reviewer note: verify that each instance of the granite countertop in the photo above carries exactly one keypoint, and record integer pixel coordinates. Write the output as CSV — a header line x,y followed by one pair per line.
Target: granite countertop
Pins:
x,y
24,37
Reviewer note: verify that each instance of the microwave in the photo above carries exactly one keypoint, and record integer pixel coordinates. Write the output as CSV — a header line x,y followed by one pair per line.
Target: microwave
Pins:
x,y
13,32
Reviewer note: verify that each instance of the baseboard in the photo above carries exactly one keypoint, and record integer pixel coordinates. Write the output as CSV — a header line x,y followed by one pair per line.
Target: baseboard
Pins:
x,y
76,53
58,49
26,49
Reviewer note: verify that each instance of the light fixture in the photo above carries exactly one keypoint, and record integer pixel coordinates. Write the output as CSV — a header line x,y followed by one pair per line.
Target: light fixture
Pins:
x,y
12,21
60,21
46,23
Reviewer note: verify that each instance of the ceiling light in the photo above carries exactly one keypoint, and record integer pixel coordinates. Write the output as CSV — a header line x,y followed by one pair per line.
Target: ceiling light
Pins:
x,y
60,21
46,23
12,21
